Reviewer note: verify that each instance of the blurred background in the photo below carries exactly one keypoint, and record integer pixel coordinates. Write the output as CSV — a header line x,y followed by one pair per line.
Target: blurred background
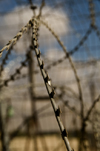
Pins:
x,y
77,23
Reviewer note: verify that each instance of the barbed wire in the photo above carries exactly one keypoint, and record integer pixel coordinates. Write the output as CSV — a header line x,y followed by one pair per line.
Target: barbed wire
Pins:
x,y
55,63
84,64
77,46
25,28
74,95
92,12
13,41
72,66
78,84
61,88
5,59
49,87
91,108
92,17
44,73
62,59
71,52
18,71
96,30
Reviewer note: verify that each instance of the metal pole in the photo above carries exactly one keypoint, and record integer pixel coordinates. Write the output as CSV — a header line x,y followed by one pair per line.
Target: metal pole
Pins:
x,y
32,96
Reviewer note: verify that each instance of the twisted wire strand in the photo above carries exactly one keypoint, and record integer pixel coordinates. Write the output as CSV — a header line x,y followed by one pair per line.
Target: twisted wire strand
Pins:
x,y
5,59
71,63
92,17
49,87
25,28
13,41
71,52
91,108
92,12
96,30
55,63
18,71
76,48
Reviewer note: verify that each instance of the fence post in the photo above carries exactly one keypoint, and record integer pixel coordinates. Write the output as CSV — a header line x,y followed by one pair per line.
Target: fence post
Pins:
x,y
32,95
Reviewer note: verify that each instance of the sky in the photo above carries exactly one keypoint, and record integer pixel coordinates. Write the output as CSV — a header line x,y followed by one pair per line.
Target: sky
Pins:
x,y
77,14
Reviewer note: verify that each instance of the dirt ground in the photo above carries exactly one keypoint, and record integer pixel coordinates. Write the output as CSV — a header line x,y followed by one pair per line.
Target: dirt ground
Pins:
x,y
43,143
